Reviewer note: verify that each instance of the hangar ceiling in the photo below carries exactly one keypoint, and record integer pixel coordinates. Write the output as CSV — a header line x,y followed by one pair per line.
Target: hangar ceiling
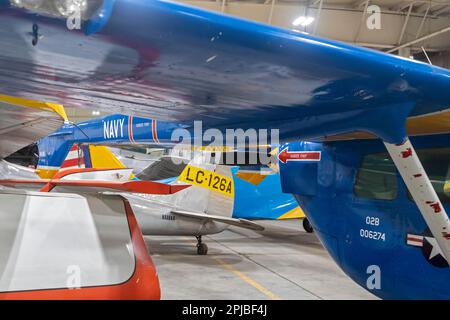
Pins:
x,y
409,23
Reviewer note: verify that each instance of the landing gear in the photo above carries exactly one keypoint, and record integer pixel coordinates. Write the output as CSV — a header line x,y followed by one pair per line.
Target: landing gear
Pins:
x,y
202,248
307,226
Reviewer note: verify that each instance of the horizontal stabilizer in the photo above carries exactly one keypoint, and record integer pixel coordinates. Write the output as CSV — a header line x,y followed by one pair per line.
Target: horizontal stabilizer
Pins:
x,y
243,223
102,174
93,186
23,122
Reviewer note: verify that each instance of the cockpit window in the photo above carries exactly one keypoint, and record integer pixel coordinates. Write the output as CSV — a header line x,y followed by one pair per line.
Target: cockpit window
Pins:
x,y
376,178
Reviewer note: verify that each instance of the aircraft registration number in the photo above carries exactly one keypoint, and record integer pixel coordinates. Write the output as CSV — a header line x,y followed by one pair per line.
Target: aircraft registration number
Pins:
x,y
375,235
370,234
207,179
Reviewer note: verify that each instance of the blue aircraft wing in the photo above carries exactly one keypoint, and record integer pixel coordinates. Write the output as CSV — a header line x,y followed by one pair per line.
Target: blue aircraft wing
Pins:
x,y
174,62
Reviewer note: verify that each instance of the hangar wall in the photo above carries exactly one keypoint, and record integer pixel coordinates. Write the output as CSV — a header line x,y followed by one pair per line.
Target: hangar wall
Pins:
x,y
441,59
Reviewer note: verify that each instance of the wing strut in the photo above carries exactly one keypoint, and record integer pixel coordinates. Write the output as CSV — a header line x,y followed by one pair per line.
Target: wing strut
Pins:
x,y
422,191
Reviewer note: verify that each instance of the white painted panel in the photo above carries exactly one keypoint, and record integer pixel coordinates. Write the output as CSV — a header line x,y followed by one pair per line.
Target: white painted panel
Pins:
x,y
45,237
104,175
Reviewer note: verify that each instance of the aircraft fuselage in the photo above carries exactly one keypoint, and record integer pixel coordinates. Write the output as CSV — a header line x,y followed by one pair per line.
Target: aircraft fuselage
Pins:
x,y
364,215
156,218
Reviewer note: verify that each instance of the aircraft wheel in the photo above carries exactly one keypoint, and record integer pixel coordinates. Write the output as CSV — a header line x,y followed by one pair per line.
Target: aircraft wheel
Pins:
x,y
307,226
202,249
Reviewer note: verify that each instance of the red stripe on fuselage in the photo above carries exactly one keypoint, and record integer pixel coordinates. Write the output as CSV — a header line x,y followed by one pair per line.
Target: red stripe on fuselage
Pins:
x,y
155,131
130,129
73,163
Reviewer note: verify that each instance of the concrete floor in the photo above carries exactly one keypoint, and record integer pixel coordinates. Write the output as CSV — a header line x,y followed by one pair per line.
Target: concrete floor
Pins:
x,y
282,262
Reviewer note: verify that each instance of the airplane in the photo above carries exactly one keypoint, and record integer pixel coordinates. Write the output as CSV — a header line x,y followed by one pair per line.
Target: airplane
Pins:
x,y
202,204
258,193
72,147
258,190
173,62
378,237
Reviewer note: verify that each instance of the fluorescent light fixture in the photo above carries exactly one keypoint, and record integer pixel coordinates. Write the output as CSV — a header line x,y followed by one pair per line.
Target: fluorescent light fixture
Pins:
x,y
303,21
60,8
68,7
32,4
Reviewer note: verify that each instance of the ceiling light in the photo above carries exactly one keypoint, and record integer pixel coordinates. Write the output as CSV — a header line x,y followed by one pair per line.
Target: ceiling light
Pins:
x,y
34,4
68,7
60,8
303,21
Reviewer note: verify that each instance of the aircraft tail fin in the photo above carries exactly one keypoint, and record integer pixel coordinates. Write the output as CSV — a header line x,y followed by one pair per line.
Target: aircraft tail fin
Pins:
x,y
264,200
53,152
59,154
100,157
212,190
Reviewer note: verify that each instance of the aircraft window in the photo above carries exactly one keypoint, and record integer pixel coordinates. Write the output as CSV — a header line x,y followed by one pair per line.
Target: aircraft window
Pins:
x,y
376,178
436,163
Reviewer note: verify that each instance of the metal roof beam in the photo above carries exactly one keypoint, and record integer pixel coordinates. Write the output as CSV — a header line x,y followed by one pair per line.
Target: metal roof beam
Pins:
x,y
444,9
428,36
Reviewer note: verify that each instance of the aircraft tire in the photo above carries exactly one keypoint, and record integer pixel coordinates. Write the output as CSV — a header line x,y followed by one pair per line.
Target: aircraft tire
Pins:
x,y
202,249
307,226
